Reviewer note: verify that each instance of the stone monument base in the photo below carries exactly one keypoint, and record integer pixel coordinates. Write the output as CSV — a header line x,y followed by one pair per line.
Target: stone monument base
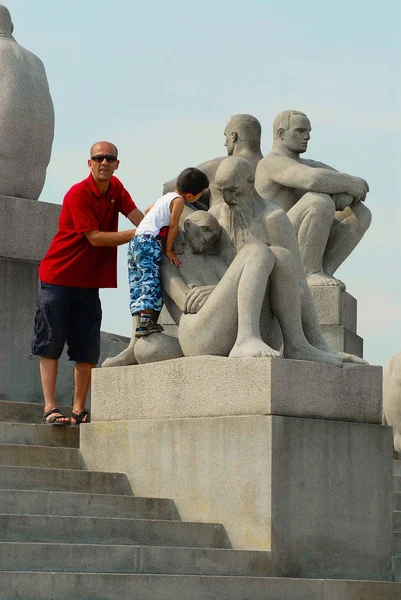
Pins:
x,y
316,493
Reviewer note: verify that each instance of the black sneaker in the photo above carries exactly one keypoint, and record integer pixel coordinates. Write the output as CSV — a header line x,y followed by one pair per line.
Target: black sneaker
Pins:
x,y
147,329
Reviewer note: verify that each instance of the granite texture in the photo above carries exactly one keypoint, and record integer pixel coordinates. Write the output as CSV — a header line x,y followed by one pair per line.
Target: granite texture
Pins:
x,y
213,386
392,398
26,117
326,207
316,493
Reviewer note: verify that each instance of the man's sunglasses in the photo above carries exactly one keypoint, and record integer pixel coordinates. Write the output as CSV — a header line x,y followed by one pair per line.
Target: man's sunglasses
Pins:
x,y
100,158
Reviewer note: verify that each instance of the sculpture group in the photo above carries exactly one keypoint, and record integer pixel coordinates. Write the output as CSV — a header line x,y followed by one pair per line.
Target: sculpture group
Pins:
x,y
269,227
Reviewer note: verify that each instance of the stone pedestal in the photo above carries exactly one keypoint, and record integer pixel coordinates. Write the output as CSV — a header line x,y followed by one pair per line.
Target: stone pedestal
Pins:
x,y
337,312
26,230
268,447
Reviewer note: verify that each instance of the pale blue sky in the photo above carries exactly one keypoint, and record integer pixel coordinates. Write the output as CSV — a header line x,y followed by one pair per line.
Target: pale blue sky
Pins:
x,y
161,80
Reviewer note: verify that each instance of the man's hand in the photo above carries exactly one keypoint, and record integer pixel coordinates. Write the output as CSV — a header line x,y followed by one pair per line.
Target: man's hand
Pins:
x,y
197,296
342,200
173,258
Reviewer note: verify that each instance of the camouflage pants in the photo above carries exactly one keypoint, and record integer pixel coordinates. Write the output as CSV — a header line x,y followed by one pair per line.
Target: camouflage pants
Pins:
x,y
144,256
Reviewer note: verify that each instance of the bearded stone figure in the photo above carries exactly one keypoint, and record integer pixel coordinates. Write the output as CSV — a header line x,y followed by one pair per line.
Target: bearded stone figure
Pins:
x,y
26,117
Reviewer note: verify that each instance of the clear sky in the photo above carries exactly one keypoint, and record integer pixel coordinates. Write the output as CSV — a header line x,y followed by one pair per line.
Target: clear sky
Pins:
x,y
161,79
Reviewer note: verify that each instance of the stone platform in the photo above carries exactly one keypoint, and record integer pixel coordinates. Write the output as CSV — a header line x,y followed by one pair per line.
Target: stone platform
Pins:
x,y
206,386
271,448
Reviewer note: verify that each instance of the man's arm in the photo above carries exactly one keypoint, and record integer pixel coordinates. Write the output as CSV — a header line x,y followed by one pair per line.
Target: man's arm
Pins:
x,y
293,174
135,216
109,238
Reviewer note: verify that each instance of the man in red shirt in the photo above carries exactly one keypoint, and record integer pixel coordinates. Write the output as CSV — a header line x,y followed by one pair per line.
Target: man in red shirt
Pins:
x,y
81,259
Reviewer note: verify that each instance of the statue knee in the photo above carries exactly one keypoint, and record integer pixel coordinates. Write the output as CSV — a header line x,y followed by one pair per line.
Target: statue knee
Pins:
x,y
322,204
364,216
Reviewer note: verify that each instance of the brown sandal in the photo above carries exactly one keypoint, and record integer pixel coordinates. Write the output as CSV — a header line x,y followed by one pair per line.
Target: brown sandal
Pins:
x,y
54,419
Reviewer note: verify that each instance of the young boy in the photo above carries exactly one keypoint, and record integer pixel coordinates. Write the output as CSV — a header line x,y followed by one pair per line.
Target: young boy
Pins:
x,y
145,249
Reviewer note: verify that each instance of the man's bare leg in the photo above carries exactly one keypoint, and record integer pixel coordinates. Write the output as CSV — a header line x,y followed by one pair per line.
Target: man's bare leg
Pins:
x,y
284,285
82,379
312,217
48,375
348,229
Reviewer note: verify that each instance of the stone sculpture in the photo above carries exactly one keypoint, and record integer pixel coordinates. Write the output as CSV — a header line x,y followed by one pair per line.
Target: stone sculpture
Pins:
x,y
26,117
242,134
241,269
392,398
325,207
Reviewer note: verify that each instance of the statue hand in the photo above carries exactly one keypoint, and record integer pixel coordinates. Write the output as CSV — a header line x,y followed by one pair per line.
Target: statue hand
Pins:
x,y
197,296
358,188
342,200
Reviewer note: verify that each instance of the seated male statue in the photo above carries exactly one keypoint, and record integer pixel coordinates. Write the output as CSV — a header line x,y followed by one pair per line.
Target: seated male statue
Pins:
x,y
247,218
26,117
242,134
325,207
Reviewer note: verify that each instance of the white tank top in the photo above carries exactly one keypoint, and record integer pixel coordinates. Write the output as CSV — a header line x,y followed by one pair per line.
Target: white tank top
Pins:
x,y
159,216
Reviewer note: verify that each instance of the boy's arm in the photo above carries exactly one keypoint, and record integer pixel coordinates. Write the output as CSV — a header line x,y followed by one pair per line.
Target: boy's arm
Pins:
x,y
147,209
176,207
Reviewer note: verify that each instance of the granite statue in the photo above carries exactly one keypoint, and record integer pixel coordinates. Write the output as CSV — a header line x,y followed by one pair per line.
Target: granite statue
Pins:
x,y
326,207
241,275
242,138
392,398
26,117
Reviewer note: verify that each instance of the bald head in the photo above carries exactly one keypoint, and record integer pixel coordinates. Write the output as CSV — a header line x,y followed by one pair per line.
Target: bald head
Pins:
x,y
6,25
242,131
247,127
113,148
202,230
234,170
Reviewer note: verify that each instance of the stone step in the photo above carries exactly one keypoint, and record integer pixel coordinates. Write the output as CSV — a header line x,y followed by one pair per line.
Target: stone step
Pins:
x,y
132,559
396,543
39,435
397,568
31,502
63,480
102,530
397,467
397,501
397,520
39,456
90,586
25,412
397,483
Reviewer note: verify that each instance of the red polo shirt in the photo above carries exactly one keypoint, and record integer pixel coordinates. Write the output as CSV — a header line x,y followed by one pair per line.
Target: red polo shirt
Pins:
x,y
71,259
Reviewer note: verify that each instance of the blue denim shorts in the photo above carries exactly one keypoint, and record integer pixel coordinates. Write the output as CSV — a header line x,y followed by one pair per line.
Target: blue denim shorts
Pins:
x,y
68,315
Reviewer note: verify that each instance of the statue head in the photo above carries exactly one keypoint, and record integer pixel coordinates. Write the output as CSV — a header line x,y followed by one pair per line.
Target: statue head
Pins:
x,y
6,24
202,230
242,128
292,128
234,180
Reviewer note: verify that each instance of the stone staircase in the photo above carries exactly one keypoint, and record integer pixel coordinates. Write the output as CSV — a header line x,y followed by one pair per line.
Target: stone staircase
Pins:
x,y
397,521
71,534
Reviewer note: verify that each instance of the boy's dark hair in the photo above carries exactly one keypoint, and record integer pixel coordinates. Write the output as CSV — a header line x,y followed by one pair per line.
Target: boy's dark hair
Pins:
x,y
192,181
